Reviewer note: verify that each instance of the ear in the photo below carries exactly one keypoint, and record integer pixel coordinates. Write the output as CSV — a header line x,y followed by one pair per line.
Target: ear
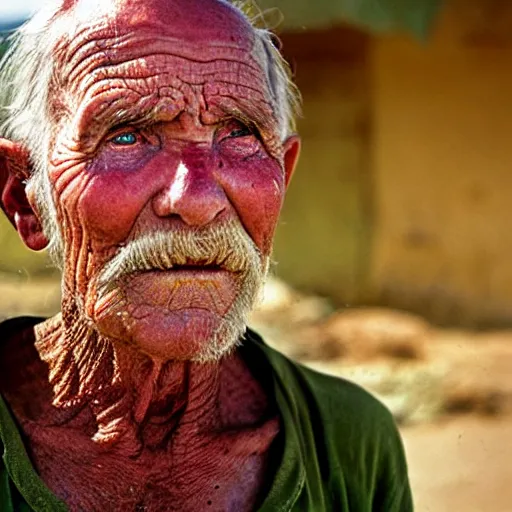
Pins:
x,y
291,156
14,171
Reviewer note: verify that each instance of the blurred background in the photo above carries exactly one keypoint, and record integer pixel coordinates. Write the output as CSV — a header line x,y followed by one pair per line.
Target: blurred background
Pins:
x,y
393,254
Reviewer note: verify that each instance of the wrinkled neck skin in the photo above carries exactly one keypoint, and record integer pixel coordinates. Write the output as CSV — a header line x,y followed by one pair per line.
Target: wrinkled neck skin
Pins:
x,y
137,402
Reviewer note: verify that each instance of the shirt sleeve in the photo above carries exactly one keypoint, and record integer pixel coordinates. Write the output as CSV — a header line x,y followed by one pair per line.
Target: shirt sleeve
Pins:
x,y
392,490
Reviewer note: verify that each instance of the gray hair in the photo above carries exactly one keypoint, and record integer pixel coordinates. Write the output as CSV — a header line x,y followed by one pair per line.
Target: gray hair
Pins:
x,y
25,77
285,94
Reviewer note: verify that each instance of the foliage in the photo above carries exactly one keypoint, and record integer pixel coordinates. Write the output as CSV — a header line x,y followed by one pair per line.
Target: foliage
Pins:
x,y
415,16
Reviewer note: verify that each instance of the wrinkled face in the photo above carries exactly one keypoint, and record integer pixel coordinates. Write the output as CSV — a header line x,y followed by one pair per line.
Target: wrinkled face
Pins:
x,y
168,175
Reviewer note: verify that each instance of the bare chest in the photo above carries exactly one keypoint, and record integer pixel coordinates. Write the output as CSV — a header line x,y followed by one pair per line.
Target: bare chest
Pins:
x,y
208,476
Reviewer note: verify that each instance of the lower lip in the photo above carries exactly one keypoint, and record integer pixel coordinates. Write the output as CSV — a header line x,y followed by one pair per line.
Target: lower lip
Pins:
x,y
207,288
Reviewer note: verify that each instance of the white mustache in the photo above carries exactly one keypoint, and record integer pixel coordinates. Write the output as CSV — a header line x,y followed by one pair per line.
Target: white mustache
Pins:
x,y
226,245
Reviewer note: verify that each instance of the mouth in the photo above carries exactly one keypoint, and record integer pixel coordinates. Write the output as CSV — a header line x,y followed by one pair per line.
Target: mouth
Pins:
x,y
196,267
188,273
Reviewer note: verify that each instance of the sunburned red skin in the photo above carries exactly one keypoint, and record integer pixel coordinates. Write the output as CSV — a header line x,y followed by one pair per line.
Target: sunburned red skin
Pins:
x,y
185,167
179,81
219,422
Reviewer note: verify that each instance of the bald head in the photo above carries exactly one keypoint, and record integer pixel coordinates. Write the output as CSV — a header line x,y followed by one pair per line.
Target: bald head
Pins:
x,y
209,20
97,34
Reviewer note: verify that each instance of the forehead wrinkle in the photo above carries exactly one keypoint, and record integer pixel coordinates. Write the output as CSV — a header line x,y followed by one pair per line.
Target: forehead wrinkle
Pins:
x,y
233,65
138,57
173,85
169,66
113,91
104,42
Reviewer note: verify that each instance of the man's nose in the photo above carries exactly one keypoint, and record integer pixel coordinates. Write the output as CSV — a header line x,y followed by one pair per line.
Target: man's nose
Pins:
x,y
193,195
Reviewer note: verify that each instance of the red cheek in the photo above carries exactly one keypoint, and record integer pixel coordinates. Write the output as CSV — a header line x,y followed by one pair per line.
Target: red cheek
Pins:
x,y
256,188
115,194
108,209
112,202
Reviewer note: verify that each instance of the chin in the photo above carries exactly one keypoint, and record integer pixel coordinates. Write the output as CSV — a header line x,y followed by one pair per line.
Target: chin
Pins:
x,y
185,315
188,334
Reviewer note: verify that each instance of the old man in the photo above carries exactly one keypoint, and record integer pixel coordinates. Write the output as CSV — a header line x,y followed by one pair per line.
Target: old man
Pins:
x,y
148,145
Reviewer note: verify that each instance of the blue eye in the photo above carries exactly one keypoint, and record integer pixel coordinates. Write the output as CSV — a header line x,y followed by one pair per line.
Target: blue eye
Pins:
x,y
125,139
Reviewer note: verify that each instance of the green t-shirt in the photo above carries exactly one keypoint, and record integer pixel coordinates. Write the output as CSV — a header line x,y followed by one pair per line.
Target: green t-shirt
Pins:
x,y
338,450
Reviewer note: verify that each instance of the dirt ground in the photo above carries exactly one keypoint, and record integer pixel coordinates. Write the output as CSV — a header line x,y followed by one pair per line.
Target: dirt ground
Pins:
x,y
461,465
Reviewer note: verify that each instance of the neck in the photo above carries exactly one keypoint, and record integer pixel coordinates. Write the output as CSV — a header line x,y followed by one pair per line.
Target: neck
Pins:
x,y
132,401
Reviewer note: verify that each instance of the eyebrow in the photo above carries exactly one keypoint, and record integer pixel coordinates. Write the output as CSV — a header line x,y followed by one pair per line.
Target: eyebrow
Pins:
x,y
255,114
95,121
132,108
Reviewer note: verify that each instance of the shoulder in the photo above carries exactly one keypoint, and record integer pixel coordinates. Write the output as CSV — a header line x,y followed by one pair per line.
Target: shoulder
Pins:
x,y
341,402
14,330
357,424
337,400
351,433
350,415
